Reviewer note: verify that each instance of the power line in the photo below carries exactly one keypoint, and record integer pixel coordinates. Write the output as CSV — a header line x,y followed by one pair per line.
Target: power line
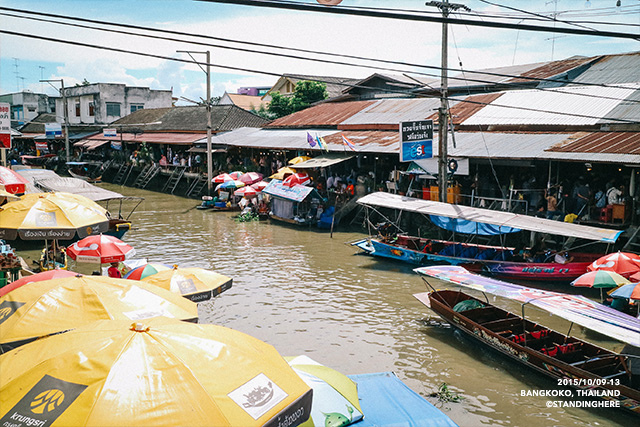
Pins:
x,y
484,73
372,12
168,58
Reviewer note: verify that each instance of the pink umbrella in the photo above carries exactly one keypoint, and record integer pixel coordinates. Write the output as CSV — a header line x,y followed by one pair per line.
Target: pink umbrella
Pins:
x,y
251,177
299,178
246,192
100,249
223,177
260,185
236,175
45,275
623,263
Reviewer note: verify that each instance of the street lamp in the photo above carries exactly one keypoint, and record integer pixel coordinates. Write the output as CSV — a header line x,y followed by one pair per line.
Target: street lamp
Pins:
x,y
66,114
208,103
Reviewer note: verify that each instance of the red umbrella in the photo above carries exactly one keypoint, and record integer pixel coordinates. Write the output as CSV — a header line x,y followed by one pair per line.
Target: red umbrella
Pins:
x,y
251,178
260,185
12,181
236,175
100,249
223,177
246,192
623,263
299,178
45,275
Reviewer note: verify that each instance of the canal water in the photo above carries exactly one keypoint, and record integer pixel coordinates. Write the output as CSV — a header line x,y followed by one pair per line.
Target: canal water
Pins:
x,y
306,292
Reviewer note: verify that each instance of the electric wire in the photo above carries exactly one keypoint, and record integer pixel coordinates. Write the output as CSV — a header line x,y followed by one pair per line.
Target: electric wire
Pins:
x,y
253,71
486,73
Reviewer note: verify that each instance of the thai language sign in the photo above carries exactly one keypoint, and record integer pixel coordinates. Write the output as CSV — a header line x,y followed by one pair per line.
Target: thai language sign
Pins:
x,y
416,140
5,125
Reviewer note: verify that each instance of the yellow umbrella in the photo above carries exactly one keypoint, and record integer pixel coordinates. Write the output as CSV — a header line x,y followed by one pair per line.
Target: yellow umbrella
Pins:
x,y
299,159
196,284
161,372
335,396
282,173
60,216
54,306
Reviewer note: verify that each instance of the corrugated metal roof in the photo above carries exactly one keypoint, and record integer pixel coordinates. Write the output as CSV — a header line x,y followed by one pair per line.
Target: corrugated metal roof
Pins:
x,y
461,111
150,137
559,106
601,142
613,69
394,111
330,114
191,119
274,139
553,68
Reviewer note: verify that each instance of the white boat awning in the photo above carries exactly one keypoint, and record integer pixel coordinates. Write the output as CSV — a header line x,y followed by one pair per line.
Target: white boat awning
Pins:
x,y
321,162
487,216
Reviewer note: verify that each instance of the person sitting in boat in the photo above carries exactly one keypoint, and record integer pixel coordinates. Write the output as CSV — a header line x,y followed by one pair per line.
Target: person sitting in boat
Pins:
x,y
113,271
562,257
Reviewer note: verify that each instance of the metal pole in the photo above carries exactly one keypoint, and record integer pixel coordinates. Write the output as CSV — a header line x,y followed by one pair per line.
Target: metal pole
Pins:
x,y
209,159
66,119
442,116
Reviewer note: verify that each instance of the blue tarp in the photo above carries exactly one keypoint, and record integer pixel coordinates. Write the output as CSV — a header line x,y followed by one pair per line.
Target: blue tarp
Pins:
x,y
387,401
470,227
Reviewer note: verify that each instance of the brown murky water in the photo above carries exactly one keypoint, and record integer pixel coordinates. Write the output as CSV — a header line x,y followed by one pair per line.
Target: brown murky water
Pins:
x,y
306,293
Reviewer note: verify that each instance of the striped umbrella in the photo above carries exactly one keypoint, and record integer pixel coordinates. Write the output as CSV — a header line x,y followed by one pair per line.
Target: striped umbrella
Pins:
x,y
247,192
223,177
230,185
146,270
630,290
236,174
251,177
600,279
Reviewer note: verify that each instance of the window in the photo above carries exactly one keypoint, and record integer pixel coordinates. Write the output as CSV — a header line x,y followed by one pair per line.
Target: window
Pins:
x,y
136,107
113,109
77,108
92,111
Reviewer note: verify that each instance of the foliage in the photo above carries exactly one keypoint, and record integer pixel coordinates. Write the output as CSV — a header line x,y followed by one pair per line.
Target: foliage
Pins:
x,y
263,112
445,395
85,82
306,93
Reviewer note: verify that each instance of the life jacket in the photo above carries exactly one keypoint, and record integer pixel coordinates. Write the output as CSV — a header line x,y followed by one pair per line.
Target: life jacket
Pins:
x,y
540,334
550,351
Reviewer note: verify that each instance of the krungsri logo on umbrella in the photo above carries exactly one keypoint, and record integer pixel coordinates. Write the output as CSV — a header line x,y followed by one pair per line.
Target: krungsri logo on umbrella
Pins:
x,y
7,308
258,395
47,401
46,219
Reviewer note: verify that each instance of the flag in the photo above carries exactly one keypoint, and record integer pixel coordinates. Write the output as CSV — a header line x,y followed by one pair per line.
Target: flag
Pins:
x,y
310,140
319,142
324,144
348,143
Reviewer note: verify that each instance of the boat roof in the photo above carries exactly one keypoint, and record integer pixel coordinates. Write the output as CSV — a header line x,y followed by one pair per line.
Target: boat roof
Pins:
x,y
500,218
574,308
297,193
47,180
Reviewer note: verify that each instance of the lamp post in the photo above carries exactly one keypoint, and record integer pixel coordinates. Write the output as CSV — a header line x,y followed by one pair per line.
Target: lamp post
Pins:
x,y
66,114
208,105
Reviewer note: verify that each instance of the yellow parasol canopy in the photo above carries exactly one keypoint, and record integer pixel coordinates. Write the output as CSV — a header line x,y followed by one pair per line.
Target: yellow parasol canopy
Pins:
x,y
62,216
52,306
299,159
160,372
196,284
282,173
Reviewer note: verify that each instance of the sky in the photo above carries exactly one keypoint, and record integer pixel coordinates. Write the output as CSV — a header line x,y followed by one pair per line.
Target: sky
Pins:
x,y
24,61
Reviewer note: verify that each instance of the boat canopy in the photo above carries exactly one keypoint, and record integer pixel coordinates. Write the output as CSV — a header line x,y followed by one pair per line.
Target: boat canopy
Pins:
x,y
504,220
46,180
297,193
574,308
470,227
322,161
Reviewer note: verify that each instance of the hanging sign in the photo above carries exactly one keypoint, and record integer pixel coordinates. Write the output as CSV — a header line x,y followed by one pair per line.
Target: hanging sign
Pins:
x,y
53,130
109,133
416,140
5,125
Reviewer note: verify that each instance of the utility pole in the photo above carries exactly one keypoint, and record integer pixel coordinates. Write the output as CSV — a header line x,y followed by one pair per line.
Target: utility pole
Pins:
x,y
208,105
443,116
66,114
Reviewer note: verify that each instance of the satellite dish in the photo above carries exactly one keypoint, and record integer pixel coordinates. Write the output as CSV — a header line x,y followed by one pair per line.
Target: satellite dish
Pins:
x,y
329,2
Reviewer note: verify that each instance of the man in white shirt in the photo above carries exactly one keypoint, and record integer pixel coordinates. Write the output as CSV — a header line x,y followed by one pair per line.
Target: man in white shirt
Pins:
x,y
614,195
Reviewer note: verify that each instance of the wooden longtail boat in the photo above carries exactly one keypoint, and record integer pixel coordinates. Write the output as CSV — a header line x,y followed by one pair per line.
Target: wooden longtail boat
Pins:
x,y
496,261
575,363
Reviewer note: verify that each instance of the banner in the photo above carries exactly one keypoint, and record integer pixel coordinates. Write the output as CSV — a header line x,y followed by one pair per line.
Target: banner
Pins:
x,y
109,133
5,125
53,130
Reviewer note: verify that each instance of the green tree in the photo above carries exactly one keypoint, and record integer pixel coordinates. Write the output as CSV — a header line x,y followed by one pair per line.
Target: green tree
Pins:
x,y
305,94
